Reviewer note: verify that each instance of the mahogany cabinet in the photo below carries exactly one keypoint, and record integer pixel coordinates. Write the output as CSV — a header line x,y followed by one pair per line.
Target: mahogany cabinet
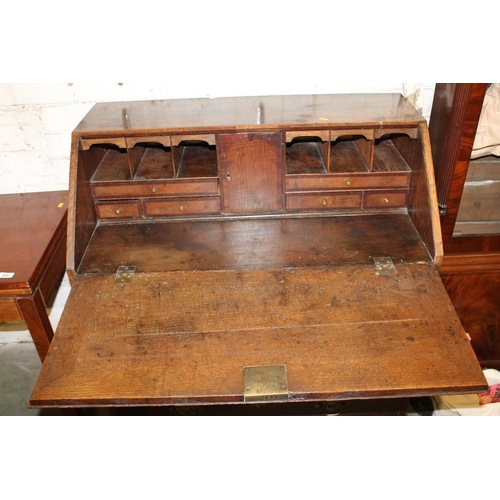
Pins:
x,y
32,259
469,198
277,249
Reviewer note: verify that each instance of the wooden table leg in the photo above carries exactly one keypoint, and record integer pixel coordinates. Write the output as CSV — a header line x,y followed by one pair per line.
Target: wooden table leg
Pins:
x,y
34,313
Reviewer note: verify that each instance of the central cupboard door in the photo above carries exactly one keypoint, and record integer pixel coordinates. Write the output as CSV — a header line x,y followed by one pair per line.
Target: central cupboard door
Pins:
x,y
251,172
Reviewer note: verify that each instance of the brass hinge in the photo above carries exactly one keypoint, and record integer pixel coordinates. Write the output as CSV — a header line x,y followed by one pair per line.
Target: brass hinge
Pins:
x,y
384,266
124,274
265,383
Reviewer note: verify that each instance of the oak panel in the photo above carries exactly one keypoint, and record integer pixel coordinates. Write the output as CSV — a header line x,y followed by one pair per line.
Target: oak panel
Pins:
x,y
343,333
260,244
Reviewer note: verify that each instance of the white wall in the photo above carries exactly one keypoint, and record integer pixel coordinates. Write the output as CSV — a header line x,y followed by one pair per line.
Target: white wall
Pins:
x,y
36,120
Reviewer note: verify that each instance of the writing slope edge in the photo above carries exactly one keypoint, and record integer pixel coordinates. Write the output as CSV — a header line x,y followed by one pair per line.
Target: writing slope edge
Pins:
x,y
184,337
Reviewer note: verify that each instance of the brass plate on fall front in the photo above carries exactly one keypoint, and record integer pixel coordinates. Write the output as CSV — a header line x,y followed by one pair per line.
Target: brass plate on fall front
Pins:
x,y
265,383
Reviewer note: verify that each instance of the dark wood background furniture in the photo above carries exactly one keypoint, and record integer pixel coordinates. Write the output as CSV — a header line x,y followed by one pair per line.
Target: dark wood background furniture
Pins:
x,y
470,215
253,250
32,259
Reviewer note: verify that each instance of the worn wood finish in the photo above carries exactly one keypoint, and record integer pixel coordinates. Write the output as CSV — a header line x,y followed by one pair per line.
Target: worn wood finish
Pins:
x,y
185,337
197,161
240,262
305,158
33,248
82,218
254,244
345,156
156,163
387,158
422,206
251,173
230,114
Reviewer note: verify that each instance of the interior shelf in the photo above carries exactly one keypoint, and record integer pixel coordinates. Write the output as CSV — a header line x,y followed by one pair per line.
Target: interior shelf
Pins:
x,y
197,159
305,156
346,157
156,163
387,158
348,154
151,161
113,166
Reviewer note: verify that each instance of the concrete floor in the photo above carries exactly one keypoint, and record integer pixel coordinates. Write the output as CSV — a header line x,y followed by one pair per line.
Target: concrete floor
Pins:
x,y
19,361
19,367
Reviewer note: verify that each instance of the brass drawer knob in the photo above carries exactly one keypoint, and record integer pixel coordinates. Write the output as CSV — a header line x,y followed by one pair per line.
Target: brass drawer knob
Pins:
x,y
153,190
347,182
386,200
118,211
181,208
323,203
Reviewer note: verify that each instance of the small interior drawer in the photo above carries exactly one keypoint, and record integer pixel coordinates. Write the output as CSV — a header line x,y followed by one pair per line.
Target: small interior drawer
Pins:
x,y
389,199
119,209
346,181
323,201
174,187
182,206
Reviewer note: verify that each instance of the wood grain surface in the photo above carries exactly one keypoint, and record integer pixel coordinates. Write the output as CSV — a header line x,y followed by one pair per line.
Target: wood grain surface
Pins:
x,y
253,244
185,337
264,113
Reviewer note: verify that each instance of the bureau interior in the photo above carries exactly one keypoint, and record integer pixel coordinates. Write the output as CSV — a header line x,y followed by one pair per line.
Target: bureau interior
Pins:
x,y
389,164
346,153
154,161
305,154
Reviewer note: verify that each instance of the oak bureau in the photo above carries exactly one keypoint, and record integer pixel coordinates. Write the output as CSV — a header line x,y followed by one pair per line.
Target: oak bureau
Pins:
x,y
254,249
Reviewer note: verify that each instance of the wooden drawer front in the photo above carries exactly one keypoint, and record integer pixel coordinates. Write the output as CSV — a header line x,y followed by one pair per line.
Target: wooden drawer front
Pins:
x,y
334,181
119,210
323,201
180,207
385,199
177,187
